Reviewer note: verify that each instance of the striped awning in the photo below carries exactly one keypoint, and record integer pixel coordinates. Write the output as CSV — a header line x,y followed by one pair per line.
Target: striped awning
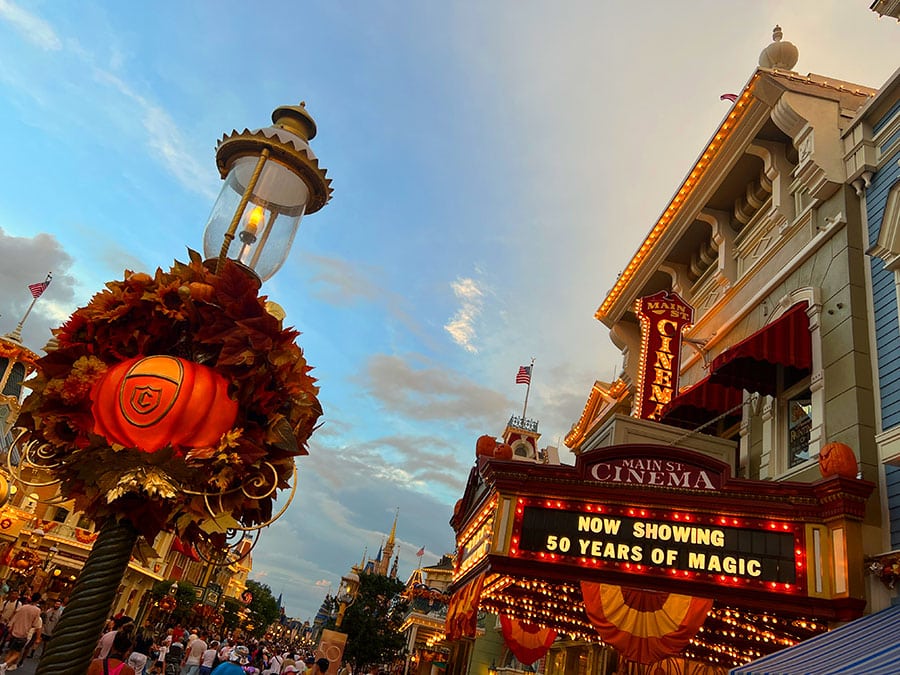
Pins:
x,y
867,646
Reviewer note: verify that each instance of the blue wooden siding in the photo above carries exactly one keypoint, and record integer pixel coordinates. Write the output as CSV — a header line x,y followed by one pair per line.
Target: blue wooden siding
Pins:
x,y
884,303
890,142
879,125
892,476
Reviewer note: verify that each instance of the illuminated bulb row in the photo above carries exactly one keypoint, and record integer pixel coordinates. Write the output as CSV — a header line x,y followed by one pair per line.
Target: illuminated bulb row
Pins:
x,y
663,222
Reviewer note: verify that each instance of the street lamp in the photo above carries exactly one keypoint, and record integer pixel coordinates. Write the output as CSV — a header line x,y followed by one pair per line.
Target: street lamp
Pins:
x,y
205,323
51,554
271,178
346,595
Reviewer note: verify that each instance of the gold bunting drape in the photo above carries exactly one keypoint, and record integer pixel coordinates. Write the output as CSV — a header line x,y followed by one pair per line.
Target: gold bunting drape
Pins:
x,y
644,626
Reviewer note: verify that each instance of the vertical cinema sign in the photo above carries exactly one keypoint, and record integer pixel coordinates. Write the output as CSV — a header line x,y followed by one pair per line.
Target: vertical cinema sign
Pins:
x,y
663,317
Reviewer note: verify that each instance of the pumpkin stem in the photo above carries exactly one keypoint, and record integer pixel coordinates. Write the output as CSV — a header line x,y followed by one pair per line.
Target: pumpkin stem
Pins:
x,y
75,636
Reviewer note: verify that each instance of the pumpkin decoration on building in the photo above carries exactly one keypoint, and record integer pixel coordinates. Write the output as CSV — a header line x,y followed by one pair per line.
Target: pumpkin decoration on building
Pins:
x,y
484,446
838,459
503,451
176,401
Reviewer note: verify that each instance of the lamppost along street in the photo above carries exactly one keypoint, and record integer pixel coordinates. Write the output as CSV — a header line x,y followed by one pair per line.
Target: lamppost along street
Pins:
x,y
178,401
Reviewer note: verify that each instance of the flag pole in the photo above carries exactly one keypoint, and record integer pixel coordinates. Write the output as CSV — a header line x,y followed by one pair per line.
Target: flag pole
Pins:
x,y
16,335
527,390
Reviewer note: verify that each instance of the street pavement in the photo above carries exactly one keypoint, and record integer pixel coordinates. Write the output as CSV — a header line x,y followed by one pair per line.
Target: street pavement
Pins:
x,y
27,668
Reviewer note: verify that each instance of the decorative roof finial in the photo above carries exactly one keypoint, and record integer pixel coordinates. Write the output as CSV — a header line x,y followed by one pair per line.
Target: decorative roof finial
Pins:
x,y
779,55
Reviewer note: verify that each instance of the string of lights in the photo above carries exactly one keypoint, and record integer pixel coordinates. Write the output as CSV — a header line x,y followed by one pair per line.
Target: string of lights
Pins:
x,y
729,637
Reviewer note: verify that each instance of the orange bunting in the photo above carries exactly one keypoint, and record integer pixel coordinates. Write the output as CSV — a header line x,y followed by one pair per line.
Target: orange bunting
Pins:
x,y
644,626
462,613
526,641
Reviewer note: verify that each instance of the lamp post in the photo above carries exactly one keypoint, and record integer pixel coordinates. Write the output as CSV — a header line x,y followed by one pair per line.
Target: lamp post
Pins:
x,y
346,595
272,178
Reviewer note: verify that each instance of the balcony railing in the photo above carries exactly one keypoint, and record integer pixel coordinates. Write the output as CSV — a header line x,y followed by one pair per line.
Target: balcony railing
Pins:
x,y
523,423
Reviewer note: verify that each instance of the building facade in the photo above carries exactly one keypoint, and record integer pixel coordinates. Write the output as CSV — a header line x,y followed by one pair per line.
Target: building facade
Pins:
x,y
872,160
745,327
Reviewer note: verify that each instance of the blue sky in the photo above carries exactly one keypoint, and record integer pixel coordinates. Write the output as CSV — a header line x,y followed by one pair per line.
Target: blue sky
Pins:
x,y
495,164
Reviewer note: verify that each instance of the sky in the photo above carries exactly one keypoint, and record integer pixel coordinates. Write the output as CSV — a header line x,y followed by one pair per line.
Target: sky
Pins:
x,y
495,165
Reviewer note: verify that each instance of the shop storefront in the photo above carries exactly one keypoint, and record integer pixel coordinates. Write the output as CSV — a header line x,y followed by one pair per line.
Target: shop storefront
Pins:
x,y
657,551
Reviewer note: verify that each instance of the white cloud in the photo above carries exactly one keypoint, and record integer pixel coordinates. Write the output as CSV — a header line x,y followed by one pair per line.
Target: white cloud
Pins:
x,y
462,326
31,27
165,139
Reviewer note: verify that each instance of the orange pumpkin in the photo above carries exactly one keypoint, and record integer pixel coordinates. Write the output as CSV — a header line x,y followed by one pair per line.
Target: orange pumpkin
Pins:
x,y
503,451
837,459
149,403
485,445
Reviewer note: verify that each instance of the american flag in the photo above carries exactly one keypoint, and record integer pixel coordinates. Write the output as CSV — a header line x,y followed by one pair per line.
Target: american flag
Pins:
x,y
729,97
38,289
420,552
524,375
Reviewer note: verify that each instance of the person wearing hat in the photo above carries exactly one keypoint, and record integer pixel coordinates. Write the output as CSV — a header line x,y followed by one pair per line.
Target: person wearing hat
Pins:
x,y
237,659
290,668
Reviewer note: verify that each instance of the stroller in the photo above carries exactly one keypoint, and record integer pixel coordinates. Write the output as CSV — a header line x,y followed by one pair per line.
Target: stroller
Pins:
x,y
173,659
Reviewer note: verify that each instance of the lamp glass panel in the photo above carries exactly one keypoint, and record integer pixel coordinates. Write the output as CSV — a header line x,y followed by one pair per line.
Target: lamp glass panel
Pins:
x,y
269,221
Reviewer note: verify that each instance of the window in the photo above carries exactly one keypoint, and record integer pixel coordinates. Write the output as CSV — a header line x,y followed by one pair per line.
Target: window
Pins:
x,y
61,515
795,422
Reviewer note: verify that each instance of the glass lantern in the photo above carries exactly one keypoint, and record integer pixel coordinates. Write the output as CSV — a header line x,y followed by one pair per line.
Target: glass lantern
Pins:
x,y
272,178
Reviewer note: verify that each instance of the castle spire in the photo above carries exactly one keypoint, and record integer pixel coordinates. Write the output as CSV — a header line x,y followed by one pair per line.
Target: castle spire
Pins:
x,y
393,533
389,546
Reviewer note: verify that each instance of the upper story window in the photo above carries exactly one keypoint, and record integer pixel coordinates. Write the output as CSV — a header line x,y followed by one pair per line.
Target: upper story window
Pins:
x,y
796,410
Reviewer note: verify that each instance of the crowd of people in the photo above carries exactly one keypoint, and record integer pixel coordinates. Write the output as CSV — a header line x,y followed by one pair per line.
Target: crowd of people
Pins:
x,y
26,623
125,650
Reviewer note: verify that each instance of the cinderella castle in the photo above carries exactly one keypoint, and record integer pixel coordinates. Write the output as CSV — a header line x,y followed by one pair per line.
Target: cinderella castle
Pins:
x,y
379,564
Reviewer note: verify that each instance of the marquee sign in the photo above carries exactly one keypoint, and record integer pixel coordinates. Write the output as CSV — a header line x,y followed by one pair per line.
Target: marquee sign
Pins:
x,y
663,317
658,518
747,552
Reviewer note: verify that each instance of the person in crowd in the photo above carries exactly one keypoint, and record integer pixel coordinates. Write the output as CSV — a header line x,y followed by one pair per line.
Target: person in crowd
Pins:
x,y
34,636
208,660
25,619
104,644
114,663
237,659
193,652
162,648
140,652
11,602
322,666
174,656
179,633
51,617
225,650
273,664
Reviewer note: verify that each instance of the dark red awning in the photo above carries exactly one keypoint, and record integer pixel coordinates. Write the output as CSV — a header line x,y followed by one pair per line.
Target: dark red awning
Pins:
x,y
701,403
752,363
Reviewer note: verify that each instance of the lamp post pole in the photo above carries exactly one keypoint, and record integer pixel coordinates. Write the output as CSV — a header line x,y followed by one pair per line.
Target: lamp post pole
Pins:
x,y
272,178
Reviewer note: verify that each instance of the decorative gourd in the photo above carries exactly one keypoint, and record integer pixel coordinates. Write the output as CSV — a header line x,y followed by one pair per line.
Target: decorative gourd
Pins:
x,y
503,451
201,291
149,403
837,459
485,445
